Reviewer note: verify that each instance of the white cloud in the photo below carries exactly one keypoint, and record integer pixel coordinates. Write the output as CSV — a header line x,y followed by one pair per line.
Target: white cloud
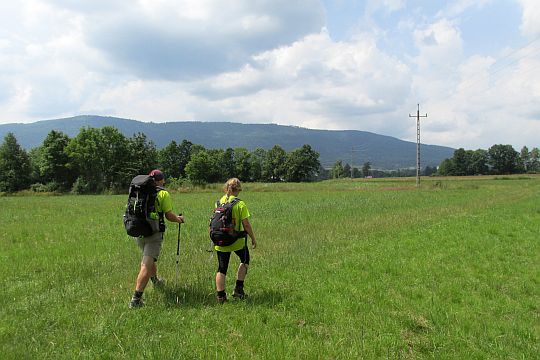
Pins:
x,y
530,25
476,100
190,39
439,54
458,7
373,6
269,61
315,82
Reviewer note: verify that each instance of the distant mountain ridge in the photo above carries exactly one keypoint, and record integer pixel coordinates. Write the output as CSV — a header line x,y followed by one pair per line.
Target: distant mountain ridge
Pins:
x,y
383,152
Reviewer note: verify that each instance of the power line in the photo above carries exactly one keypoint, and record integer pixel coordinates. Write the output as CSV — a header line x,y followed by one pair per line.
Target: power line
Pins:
x,y
500,64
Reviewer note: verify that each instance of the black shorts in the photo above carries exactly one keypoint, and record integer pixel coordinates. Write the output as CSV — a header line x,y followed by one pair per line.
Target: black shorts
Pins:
x,y
224,257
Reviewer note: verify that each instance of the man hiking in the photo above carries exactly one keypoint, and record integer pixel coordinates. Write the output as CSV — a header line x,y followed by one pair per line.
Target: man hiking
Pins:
x,y
241,225
151,245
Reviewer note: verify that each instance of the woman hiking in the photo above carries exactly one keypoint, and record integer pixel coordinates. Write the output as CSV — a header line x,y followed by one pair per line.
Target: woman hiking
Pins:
x,y
240,214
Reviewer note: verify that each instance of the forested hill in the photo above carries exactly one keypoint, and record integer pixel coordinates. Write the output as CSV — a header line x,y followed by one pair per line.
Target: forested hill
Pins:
x,y
383,152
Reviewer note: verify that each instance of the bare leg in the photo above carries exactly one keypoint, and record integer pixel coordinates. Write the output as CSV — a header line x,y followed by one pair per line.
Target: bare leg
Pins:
x,y
148,269
242,271
220,281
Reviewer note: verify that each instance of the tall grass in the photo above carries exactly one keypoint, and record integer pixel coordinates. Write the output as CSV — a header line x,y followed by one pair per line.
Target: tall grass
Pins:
x,y
344,269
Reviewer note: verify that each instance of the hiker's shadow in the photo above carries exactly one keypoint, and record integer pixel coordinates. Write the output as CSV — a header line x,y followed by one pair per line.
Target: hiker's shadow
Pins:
x,y
266,297
194,296
187,295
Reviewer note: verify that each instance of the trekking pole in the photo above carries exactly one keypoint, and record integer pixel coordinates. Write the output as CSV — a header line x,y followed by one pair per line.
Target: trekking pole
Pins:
x,y
210,251
177,258
211,248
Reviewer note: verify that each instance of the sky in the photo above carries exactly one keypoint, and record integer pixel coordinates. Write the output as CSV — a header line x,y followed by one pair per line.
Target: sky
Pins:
x,y
473,66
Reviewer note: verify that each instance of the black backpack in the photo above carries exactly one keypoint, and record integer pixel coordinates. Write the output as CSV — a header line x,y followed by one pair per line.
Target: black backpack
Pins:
x,y
141,203
222,232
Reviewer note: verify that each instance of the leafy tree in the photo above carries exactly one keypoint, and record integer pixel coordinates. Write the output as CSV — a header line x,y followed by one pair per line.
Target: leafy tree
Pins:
x,y
54,166
242,159
525,159
103,159
185,150
347,170
115,158
366,168
446,168
256,164
196,169
535,160
461,162
503,159
143,155
35,156
195,149
465,162
204,166
274,167
302,164
478,162
14,165
337,170
227,164
169,159
85,155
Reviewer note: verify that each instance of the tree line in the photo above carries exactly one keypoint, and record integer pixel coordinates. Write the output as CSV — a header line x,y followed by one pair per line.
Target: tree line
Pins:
x,y
104,160
339,171
497,160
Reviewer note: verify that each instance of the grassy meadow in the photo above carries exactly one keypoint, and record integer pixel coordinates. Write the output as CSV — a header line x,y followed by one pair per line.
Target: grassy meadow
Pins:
x,y
363,269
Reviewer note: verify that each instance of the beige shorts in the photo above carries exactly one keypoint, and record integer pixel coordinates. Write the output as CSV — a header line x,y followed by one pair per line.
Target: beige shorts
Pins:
x,y
151,245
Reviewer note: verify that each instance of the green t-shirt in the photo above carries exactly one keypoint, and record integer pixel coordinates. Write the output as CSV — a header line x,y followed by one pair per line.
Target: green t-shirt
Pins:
x,y
240,212
163,204
163,201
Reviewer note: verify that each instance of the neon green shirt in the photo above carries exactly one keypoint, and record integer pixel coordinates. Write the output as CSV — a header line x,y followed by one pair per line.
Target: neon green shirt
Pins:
x,y
163,204
240,212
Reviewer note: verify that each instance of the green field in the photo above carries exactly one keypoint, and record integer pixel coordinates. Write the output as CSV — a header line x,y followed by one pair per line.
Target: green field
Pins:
x,y
371,269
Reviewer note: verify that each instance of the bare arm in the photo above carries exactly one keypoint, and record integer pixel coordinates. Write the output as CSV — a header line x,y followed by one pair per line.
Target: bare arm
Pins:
x,y
172,217
249,230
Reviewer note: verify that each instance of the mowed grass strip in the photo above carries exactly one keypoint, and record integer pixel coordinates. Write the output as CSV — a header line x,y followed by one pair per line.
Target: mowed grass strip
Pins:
x,y
363,269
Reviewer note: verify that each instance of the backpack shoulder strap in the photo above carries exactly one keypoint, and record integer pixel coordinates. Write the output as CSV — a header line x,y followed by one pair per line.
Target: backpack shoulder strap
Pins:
x,y
233,202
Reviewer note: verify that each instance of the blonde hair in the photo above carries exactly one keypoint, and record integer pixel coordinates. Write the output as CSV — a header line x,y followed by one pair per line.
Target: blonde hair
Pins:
x,y
232,185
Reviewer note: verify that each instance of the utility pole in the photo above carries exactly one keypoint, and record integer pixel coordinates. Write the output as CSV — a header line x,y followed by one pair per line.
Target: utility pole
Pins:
x,y
418,116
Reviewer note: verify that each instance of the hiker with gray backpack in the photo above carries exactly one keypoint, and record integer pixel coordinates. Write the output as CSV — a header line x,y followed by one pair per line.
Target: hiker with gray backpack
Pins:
x,y
229,228
149,204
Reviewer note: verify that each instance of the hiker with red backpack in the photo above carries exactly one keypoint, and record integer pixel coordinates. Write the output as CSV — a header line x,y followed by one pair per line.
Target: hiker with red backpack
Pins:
x,y
229,228
149,204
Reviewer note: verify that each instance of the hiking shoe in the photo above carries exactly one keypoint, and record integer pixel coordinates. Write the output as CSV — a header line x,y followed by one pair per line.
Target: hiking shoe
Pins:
x,y
135,303
239,293
158,282
221,299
